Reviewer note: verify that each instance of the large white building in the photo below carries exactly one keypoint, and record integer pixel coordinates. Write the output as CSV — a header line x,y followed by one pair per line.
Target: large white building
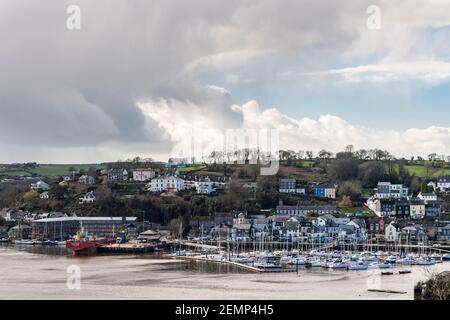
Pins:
x,y
427,197
443,184
170,183
386,190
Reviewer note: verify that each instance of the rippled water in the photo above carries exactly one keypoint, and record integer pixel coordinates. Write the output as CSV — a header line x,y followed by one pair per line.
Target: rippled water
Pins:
x,y
41,273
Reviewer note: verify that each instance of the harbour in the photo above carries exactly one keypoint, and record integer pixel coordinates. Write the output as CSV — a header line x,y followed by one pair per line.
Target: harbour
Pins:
x,y
41,272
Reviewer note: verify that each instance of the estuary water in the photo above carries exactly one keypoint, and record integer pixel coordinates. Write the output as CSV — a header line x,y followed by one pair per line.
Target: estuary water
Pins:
x,y
42,273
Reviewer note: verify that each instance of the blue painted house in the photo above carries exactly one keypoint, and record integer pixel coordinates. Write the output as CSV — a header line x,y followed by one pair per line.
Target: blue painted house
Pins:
x,y
327,190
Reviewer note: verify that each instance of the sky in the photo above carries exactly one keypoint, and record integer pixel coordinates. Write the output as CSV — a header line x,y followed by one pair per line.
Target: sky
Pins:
x,y
146,78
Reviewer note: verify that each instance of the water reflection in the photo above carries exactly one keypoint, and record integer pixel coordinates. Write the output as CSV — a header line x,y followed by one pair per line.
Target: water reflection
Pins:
x,y
37,249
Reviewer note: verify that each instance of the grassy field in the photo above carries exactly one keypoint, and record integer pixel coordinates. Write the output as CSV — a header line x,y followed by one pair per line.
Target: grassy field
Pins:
x,y
49,170
421,171
15,173
62,169
193,167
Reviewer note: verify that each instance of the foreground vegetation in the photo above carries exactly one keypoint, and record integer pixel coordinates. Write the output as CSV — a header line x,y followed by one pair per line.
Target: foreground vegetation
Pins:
x,y
436,288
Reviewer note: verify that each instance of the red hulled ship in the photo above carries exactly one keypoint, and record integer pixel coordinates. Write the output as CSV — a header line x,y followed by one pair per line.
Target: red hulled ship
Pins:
x,y
83,244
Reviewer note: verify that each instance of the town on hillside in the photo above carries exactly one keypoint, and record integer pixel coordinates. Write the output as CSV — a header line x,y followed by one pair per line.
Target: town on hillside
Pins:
x,y
351,198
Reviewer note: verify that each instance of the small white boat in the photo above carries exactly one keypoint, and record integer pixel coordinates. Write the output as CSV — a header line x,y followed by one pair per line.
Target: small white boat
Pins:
x,y
406,261
180,253
338,264
298,261
357,267
425,262
24,243
404,271
243,260
370,258
318,264
265,265
377,265
391,259
436,256
336,255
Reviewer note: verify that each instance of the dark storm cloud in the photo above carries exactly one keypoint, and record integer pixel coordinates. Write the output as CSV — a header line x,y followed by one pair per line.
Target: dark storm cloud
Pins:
x,y
63,88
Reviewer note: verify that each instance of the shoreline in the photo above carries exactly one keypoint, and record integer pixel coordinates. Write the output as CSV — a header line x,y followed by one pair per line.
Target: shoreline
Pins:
x,y
33,276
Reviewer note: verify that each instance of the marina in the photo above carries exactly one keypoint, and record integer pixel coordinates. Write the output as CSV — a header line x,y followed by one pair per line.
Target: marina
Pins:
x,y
41,271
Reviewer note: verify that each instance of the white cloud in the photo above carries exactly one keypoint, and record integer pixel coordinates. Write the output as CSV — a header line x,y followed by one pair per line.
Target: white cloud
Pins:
x,y
428,71
327,132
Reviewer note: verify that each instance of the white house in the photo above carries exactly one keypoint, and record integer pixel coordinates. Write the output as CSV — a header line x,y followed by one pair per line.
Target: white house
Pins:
x,y
87,198
44,195
386,190
205,186
170,183
67,178
40,185
143,175
85,179
392,232
427,197
443,183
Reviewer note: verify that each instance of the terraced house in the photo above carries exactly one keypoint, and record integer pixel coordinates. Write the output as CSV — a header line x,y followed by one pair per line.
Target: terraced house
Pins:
x,y
169,183
301,210
327,190
443,184
386,190
290,186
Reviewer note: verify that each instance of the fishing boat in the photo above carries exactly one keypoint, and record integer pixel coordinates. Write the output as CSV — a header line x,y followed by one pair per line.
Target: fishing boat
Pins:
x,y
82,244
4,240
446,257
387,273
